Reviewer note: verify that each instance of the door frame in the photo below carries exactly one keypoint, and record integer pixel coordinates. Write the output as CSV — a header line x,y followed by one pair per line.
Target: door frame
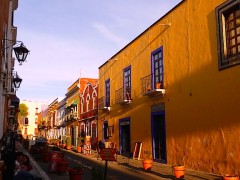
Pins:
x,y
162,112
120,133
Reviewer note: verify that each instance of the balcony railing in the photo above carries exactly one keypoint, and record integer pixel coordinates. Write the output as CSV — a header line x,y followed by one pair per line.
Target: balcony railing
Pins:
x,y
123,96
71,117
103,105
90,114
149,88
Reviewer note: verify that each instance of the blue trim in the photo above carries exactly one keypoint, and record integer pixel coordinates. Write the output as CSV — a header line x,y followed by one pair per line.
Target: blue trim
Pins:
x,y
105,100
160,49
124,70
120,132
152,130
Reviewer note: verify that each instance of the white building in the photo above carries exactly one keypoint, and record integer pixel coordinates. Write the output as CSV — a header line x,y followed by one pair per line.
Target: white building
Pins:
x,y
28,125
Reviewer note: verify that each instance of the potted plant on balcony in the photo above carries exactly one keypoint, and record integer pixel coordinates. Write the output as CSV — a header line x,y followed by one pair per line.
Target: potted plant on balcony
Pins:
x,y
75,173
158,85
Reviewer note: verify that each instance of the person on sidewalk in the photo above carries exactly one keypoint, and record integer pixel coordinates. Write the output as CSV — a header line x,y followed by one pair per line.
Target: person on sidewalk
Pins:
x,y
19,162
26,162
21,167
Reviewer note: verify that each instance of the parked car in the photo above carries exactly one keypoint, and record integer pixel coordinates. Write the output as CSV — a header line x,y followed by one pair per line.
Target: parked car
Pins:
x,y
41,141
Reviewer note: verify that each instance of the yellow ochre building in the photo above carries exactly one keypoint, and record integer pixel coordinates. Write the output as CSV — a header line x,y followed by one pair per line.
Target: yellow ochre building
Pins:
x,y
175,89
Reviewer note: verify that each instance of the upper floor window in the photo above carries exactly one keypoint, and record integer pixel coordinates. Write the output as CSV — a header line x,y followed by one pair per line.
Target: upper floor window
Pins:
x,y
87,103
26,121
157,68
82,105
228,28
94,96
107,93
127,83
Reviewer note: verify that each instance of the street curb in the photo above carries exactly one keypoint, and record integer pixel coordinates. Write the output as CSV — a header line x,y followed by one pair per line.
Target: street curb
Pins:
x,y
39,169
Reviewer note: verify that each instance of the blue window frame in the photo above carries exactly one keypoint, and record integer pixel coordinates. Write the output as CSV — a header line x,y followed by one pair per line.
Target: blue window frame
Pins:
x,y
157,67
228,33
107,93
127,83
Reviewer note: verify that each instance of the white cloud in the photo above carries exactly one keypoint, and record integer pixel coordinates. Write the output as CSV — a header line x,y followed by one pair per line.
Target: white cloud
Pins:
x,y
63,47
107,33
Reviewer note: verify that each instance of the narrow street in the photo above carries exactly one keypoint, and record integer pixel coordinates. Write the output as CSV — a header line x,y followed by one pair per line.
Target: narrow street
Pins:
x,y
125,168
115,171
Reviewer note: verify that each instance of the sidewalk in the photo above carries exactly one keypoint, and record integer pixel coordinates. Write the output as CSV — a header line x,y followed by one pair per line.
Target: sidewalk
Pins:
x,y
159,171
37,170
163,171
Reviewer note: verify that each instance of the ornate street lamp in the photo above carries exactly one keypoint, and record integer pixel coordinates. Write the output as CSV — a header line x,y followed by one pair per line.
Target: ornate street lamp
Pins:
x,y
17,81
21,53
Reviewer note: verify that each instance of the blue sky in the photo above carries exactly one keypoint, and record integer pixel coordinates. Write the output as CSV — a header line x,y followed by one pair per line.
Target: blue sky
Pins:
x,y
71,39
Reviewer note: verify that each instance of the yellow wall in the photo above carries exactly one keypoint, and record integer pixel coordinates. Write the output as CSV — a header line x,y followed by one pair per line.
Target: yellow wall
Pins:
x,y
201,102
75,96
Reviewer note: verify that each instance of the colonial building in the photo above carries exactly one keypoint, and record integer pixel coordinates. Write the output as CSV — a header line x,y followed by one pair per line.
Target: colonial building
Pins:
x,y
72,113
42,123
52,120
28,125
61,124
8,34
89,110
175,89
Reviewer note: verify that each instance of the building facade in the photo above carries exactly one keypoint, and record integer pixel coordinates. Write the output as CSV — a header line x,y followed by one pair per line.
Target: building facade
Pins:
x,y
42,123
174,88
61,124
29,124
8,33
52,120
89,111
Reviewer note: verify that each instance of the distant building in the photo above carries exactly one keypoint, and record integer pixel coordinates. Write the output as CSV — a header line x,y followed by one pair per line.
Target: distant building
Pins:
x,y
29,124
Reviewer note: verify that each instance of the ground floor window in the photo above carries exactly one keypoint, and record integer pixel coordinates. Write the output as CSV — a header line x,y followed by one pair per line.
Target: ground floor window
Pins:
x,y
94,129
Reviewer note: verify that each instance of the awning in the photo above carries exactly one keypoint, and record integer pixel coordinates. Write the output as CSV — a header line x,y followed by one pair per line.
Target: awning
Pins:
x,y
75,102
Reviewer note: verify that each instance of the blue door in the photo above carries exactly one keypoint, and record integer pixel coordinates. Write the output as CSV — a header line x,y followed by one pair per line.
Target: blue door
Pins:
x,y
124,126
159,136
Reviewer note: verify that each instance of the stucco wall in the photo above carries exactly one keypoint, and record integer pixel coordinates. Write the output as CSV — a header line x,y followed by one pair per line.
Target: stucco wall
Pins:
x,y
201,103
32,105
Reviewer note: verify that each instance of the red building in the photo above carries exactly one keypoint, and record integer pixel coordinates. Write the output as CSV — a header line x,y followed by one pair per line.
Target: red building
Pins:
x,y
89,110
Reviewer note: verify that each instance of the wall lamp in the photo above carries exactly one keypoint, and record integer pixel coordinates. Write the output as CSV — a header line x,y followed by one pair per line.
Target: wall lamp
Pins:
x,y
20,50
17,81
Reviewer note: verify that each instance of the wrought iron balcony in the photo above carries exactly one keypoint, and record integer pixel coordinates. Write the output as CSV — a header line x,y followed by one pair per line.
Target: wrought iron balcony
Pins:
x,y
123,95
71,117
90,114
149,88
103,104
